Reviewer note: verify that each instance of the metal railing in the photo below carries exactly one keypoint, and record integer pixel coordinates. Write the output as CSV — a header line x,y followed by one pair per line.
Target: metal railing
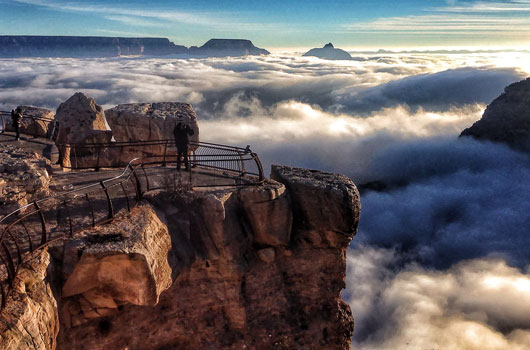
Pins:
x,y
237,161
58,217
31,125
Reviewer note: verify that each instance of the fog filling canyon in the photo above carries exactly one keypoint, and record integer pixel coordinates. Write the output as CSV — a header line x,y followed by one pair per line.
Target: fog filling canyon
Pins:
x,y
440,260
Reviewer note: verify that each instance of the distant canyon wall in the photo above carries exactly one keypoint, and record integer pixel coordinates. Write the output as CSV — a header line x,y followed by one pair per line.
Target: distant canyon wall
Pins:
x,y
87,46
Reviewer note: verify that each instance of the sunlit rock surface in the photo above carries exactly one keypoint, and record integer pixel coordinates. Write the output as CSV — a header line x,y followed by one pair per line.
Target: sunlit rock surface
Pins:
x,y
30,320
248,271
507,118
124,262
23,178
150,121
82,121
328,52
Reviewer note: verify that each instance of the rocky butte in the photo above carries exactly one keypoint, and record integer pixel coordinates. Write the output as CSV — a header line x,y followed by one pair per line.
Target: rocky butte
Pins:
x,y
235,267
328,52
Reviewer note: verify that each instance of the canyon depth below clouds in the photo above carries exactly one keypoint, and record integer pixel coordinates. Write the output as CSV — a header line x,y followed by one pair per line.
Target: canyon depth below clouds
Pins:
x,y
440,260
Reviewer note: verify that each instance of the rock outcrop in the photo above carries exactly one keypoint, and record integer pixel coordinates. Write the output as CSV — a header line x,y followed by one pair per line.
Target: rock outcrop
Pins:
x,y
227,47
150,121
23,178
85,46
507,118
30,320
328,52
122,263
251,269
81,120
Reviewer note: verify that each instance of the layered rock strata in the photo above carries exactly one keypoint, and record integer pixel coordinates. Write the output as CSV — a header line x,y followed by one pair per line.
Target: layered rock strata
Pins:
x,y
150,121
227,47
81,120
507,118
23,178
251,268
30,319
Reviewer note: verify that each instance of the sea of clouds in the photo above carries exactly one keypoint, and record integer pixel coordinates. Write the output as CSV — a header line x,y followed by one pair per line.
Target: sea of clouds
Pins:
x,y
440,260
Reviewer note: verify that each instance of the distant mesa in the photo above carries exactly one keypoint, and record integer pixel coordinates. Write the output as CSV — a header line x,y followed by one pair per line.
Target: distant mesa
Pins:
x,y
328,52
12,46
507,118
227,47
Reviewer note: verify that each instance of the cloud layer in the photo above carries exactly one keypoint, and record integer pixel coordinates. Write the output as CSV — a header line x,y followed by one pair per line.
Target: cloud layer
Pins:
x,y
440,258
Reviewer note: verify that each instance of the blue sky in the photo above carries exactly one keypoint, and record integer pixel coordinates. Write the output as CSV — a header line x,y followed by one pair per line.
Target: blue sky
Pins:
x,y
281,24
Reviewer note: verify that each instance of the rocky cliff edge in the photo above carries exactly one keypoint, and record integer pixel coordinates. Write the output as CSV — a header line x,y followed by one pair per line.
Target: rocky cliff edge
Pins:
x,y
259,267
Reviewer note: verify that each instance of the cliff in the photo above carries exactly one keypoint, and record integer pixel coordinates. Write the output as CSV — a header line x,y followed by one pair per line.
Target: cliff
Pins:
x,y
87,46
507,118
259,267
328,52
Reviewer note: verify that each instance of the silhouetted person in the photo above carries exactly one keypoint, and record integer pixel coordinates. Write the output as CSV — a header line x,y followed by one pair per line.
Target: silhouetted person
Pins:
x,y
182,135
16,117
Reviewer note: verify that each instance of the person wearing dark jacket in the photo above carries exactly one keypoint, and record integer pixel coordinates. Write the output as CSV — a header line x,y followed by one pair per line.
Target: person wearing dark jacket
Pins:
x,y
16,118
182,135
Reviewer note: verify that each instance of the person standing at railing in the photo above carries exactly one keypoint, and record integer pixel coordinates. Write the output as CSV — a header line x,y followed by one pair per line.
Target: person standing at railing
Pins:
x,y
182,135
16,118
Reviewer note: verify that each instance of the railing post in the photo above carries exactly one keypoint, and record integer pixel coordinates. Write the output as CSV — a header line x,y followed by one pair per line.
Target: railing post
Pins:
x,y
165,151
97,163
44,236
3,124
109,201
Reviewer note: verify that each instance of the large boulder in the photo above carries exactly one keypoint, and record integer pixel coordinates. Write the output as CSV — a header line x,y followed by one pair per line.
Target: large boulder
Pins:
x,y
507,118
150,121
124,262
82,121
326,206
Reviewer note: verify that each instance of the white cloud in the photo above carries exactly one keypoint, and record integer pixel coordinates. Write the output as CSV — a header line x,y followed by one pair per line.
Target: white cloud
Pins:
x,y
478,304
388,117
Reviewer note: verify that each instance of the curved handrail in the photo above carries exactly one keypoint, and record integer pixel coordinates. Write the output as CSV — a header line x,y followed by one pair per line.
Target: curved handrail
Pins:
x,y
57,219
236,160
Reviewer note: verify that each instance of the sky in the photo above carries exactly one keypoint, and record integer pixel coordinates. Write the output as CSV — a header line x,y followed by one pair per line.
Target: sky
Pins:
x,y
282,24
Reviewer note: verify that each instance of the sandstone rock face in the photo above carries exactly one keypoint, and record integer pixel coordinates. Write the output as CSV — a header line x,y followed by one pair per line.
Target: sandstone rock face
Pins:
x,y
124,262
507,118
150,121
34,126
251,269
30,320
81,121
23,178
